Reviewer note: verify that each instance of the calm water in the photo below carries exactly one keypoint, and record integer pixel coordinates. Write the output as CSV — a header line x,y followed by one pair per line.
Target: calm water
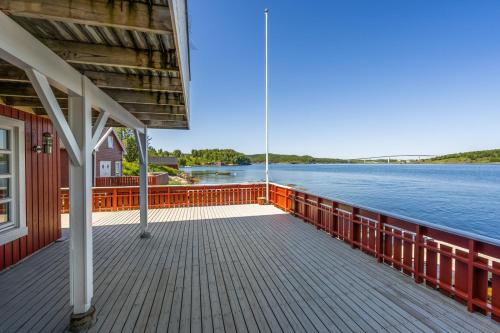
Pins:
x,y
465,197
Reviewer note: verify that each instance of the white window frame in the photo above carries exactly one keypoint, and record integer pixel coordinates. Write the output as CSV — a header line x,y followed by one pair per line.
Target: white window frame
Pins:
x,y
16,228
110,142
118,166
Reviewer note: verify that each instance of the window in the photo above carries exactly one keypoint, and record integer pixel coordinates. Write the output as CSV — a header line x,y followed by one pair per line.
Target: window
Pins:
x,y
12,205
110,141
118,168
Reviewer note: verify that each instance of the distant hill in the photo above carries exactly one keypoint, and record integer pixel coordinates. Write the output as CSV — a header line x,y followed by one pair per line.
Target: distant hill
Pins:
x,y
480,156
295,159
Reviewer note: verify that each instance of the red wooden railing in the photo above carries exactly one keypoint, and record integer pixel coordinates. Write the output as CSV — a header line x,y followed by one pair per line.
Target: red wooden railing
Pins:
x,y
458,264
160,196
160,179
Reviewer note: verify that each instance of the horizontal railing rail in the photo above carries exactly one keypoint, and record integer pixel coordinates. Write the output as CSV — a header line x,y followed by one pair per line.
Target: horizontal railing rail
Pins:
x,y
161,196
458,264
159,179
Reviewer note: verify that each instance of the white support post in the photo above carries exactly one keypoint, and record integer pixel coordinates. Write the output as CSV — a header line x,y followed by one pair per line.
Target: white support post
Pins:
x,y
142,147
80,189
77,137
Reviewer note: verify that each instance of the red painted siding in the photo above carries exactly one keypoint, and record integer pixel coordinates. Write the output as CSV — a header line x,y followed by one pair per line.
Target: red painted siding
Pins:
x,y
42,190
108,154
64,168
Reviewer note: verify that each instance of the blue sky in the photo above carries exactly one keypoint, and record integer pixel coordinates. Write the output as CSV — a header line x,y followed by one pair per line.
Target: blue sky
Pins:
x,y
347,78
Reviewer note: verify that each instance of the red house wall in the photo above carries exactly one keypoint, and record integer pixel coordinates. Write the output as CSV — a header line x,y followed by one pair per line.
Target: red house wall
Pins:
x,y
103,154
42,190
64,168
108,154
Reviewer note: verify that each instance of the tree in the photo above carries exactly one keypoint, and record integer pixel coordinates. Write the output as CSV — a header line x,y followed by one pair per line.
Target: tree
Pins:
x,y
123,132
127,137
131,153
177,153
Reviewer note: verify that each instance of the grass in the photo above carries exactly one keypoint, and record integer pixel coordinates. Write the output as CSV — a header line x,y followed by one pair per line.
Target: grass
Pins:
x,y
132,169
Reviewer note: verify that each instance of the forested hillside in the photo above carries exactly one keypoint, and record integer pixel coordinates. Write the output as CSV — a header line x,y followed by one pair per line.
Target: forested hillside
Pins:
x,y
480,156
295,159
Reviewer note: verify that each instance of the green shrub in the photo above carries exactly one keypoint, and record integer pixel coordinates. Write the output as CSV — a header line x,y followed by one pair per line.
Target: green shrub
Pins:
x,y
130,168
161,168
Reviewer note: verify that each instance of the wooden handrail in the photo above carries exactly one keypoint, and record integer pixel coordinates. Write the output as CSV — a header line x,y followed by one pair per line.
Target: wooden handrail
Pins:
x,y
159,196
157,179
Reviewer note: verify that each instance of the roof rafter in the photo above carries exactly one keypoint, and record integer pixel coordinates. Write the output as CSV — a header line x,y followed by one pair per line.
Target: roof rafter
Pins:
x,y
119,14
22,92
104,80
113,56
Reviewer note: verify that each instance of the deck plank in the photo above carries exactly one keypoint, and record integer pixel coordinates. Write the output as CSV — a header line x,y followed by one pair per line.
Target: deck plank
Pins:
x,y
244,268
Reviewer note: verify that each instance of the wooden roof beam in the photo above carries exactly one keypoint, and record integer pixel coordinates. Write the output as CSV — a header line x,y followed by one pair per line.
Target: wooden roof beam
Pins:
x,y
162,117
104,80
32,102
25,90
141,116
135,82
146,97
166,124
155,109
113,56
17,94
129,15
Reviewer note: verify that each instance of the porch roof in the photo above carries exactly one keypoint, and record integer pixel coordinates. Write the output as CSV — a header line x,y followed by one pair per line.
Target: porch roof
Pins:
x,y
226,268
136,52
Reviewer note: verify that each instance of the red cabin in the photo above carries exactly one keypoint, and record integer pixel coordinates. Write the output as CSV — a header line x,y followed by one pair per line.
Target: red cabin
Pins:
x,y
107,158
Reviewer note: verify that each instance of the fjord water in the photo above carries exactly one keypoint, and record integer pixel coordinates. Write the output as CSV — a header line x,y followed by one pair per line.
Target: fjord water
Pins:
x,y
465,197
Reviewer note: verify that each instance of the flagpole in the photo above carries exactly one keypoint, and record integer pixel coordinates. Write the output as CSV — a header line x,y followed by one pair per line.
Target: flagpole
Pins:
x,y
266,14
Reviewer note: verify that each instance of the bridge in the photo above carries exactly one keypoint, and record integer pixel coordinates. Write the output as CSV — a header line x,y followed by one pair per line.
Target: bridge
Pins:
x,y
401,157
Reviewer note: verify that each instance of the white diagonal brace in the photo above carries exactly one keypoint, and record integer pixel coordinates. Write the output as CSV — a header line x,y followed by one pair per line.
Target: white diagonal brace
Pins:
x,y
99,126
140,148
103,102
49,101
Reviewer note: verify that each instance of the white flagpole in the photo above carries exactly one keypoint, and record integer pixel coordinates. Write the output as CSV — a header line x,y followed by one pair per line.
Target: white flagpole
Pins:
x,y
266,13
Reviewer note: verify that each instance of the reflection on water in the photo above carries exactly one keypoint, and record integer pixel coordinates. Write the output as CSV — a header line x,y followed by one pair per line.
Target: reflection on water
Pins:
x,y
216,175
459,196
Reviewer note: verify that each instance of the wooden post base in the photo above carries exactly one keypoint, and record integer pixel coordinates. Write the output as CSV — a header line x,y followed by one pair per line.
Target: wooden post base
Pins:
x,y
262,201
82,321
145,235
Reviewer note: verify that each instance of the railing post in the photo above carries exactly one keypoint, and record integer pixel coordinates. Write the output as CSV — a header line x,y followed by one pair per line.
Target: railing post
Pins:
x,y
287,193
354,228
478,280
316,216
419,256
114,199
470,275
292,202
380,238
334,227
130,198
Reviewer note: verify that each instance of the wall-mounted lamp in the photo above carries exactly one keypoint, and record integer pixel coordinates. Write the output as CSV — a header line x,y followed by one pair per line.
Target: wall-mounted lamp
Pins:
x,y
47,143
37,149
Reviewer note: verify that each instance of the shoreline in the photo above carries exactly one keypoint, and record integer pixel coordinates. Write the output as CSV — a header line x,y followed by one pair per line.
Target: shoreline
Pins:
x,y
434,163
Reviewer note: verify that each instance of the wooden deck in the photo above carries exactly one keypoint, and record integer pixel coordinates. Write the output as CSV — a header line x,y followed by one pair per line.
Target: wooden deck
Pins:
x,y
226,268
